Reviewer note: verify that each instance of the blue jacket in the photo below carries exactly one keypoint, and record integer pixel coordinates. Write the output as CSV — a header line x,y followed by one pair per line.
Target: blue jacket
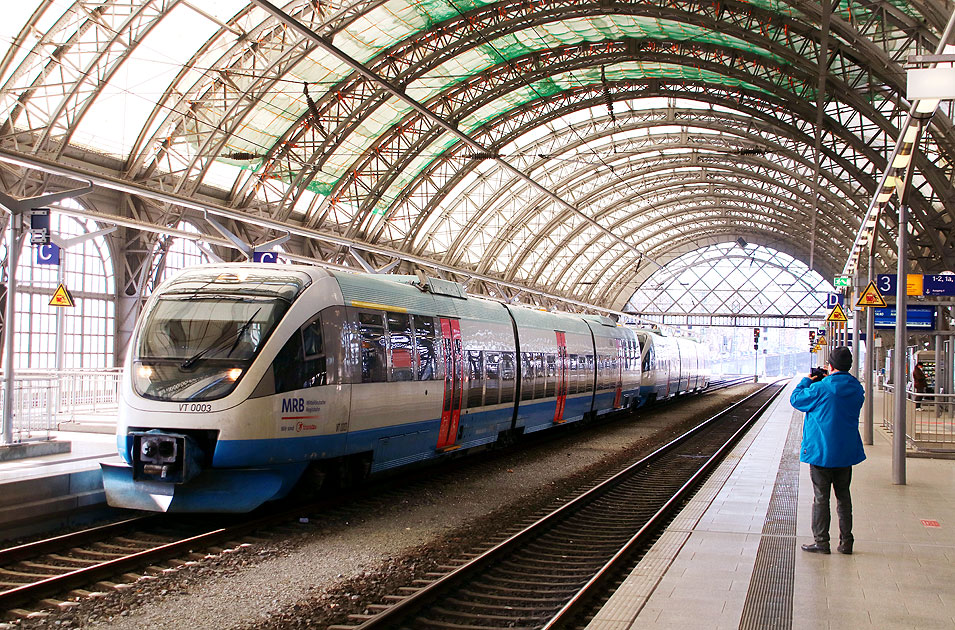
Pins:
x,y
830,434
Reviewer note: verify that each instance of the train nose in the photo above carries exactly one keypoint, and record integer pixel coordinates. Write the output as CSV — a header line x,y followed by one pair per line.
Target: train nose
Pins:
x,y
168,457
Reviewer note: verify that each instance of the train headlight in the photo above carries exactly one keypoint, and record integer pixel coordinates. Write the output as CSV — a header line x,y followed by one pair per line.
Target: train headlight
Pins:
x,y
234,374
144,372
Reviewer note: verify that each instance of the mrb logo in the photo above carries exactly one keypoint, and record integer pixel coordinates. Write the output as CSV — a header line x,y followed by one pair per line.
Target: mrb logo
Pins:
x,y
293,405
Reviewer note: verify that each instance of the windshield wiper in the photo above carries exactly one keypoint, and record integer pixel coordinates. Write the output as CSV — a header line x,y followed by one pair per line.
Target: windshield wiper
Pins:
x,y
220,343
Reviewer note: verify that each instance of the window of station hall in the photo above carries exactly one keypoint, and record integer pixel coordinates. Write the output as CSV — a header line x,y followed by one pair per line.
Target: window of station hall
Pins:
x,y
172,254
730,279
86,269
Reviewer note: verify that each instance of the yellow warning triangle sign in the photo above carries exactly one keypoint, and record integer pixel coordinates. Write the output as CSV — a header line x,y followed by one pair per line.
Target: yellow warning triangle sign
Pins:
x,y
837,315
821,342
871,297
62,297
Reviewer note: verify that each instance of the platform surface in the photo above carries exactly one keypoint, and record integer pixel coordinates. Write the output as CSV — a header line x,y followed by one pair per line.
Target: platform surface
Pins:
x,y
700,573
88,449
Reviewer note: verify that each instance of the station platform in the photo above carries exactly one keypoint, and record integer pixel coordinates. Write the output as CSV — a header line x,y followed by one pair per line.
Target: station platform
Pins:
x,y
732,557
45,492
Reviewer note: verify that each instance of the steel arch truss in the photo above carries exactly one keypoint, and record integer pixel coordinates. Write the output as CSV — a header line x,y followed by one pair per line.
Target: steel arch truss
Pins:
x,y
351,161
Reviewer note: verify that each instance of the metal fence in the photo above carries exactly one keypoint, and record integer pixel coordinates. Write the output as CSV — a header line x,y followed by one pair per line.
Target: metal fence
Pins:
x,y
42,400
929,419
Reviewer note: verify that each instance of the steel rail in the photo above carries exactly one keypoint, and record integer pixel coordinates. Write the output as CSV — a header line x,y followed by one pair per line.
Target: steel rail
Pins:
x,y
599,581
47,585
392,617
58,543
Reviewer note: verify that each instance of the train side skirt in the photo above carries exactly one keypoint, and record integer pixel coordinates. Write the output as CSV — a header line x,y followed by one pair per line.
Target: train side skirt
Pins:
x,y
213,490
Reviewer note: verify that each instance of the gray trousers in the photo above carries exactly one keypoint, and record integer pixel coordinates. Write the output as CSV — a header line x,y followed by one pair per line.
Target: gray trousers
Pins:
x,y
838,479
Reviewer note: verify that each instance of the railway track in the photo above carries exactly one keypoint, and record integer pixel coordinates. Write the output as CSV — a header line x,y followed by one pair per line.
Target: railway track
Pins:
x,y
547,575
65,565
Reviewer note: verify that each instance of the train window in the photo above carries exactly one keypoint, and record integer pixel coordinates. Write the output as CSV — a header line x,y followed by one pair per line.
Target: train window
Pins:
x,y
424,336
287,368
588,364
527,369
334,341
313,367
551,388
371,332
475,379
540,384
492,384
401,347
572,374
508,374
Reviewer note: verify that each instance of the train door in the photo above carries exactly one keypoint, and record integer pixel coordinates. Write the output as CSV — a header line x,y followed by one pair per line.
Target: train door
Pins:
x,y
618,374
453,382
561,376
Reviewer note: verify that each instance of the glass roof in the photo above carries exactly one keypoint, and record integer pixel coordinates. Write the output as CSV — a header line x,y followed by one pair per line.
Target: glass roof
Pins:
x,y
654,127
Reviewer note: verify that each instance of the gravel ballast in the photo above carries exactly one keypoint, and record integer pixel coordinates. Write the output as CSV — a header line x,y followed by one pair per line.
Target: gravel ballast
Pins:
x,y
314,573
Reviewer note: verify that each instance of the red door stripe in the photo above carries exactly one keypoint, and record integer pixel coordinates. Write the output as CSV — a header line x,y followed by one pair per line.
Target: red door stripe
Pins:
x,y
561,376
453,382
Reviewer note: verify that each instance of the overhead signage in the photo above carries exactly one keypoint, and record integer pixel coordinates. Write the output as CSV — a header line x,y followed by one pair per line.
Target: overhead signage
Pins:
x,y
941,284
40,226
837,315
871,298
62,297
886,283
840,281
48,254
265,257
917,317
835,298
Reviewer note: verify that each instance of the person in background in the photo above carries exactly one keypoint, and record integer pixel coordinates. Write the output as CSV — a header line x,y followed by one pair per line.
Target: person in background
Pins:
x,y
919,382
831,444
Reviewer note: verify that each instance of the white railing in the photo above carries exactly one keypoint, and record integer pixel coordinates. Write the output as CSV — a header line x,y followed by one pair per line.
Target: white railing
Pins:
x,y
929,419
44,399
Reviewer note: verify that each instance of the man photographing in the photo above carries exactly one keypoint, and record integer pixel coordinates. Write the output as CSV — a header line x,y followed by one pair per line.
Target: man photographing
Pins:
x,y
831,444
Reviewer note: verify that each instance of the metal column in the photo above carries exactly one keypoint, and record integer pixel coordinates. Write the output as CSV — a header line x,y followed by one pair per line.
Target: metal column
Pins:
x,y
868,418
854,296
18,208
10,314
899,359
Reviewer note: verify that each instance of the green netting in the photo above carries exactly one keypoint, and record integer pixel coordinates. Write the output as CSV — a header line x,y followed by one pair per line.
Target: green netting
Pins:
x,y
396,20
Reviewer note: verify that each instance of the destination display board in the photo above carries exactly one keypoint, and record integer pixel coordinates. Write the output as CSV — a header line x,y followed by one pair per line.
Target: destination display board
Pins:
x,y
916,317
942,284
886,283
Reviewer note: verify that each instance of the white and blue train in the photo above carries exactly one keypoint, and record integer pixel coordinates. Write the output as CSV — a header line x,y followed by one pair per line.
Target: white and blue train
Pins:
x,y
242,378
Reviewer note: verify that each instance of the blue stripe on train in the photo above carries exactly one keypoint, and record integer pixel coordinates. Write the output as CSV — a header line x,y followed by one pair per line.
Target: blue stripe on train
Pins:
x,y
395,445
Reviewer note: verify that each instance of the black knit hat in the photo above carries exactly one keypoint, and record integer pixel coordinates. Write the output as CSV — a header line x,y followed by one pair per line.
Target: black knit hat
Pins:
x,y
841,358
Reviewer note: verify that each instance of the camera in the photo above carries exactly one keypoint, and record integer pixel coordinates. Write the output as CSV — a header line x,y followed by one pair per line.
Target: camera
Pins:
x,y
818,373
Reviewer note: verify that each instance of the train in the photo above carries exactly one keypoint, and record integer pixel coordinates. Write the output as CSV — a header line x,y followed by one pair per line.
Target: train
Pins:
x,y
243,380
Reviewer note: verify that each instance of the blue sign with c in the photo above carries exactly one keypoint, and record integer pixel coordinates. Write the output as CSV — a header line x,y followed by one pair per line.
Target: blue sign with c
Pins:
x,y
48,254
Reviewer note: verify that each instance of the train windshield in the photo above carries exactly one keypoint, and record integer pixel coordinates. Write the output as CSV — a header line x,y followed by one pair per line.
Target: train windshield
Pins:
x,y
200,335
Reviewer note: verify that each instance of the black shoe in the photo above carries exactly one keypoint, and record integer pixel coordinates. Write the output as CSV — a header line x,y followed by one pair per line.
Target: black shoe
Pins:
x,y
816,548
845,547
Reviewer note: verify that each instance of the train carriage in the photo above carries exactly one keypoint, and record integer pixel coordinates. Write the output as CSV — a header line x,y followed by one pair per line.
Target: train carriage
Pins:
x,y
242,379
556,369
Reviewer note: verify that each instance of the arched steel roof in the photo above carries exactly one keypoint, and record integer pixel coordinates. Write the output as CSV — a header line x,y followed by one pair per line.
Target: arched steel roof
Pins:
x,y
640,130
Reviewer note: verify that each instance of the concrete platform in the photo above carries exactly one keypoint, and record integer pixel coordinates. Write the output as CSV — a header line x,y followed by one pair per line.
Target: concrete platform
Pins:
x,y
44,492
704,571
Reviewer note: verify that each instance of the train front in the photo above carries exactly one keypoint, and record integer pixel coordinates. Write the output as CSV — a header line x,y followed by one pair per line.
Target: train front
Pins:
x,y
189,421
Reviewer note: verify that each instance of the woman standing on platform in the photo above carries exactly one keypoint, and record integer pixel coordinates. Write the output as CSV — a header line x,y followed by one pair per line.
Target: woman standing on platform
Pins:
x,y
919,382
